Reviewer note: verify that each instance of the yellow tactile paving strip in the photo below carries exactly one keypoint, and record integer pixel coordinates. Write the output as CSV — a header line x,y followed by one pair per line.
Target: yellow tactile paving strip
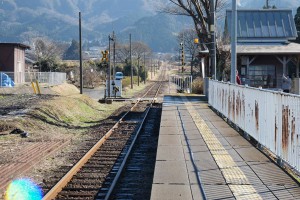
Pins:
x,y
234,176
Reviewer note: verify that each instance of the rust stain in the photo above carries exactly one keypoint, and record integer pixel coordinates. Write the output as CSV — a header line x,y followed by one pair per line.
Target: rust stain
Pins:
x,y
238,104
229,106
285,128
293,131
223,99
243,105
256,115
233,105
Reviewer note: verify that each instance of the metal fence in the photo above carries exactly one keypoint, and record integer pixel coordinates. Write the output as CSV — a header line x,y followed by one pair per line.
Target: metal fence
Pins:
x,y
10,79
51,78
183,82
272,118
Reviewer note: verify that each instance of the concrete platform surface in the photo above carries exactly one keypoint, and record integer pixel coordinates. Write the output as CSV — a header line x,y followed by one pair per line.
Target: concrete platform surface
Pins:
x,y
200,156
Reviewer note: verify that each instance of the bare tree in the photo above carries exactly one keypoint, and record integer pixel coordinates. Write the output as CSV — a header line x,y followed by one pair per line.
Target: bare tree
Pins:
x,y
47,54
123,53
224,57
138,49
188,36
201,14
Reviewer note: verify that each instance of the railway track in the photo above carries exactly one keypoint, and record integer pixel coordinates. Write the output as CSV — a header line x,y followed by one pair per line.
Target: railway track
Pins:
x,y
99,162
135,180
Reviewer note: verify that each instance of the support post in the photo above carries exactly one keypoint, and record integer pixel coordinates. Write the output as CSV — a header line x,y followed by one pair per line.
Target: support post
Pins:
x,y
213,39
233,42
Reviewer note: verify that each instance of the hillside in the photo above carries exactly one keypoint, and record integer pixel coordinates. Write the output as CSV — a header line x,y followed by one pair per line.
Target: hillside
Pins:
x,y
22,20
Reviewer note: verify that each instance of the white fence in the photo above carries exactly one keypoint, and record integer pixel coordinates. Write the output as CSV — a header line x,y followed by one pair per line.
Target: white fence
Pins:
x,y
9,79
272,118
51,78
183,82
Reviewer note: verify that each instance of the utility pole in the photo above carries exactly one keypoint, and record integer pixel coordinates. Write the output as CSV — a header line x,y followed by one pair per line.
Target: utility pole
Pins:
x,y
151,67
213,39
131,69
138,70
144,68
114,56
109,66
233,41
80,55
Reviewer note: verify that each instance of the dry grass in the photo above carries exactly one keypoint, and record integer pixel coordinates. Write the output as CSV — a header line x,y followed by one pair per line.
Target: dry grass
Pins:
x,y
57,117
198,86
65,89
129,93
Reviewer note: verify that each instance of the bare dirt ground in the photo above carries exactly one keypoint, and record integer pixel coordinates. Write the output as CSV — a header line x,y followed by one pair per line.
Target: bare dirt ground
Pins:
x,y
54,124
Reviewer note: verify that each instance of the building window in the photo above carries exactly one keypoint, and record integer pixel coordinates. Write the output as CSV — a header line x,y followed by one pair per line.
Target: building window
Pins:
x,y
262,76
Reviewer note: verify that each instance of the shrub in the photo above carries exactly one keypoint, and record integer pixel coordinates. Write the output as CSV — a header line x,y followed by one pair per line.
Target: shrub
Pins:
x,y
198,86
126,82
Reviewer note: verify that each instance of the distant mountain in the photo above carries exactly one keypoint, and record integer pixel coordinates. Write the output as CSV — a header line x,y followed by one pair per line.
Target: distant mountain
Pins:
x,y
280,4
21,20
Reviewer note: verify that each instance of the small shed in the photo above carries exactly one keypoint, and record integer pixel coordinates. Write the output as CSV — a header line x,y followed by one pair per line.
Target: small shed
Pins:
x,y
265,51
12,60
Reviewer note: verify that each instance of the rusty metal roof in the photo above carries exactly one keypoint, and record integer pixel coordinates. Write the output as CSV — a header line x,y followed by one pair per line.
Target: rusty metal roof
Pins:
x,y
263,24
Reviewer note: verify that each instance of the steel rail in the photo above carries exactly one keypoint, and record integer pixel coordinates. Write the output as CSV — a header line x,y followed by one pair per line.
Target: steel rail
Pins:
x,y
66,178
116,178
51,194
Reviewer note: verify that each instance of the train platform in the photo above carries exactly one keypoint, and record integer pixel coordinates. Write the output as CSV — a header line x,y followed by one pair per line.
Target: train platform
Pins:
x,y
200,156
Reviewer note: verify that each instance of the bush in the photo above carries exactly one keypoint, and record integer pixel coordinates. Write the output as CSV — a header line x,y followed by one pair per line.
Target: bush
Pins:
x,y
126,82
198,86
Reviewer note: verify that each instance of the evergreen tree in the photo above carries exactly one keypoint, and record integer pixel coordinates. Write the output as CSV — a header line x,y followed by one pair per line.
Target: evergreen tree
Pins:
x,y
72,53
297,22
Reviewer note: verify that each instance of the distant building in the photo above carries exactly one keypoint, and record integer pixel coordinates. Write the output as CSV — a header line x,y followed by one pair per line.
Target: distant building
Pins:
x,y
264,48
12,60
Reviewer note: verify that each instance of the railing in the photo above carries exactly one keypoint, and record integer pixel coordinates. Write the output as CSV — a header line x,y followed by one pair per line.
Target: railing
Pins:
x,y
51,78
272,118
183,82
9,79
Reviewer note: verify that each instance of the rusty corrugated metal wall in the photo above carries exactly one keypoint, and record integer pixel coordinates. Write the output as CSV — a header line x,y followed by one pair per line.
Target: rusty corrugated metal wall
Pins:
x,y
272,118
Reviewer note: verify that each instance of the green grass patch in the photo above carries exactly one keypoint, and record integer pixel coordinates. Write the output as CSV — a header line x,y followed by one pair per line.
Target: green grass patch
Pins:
x,y
128,92
74,111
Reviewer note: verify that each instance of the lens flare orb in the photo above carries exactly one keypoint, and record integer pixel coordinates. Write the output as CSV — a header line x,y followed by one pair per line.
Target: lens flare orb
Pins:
x,y
23,189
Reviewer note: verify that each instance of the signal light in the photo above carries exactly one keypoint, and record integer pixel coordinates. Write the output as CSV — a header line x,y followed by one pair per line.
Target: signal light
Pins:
x,y
105,57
